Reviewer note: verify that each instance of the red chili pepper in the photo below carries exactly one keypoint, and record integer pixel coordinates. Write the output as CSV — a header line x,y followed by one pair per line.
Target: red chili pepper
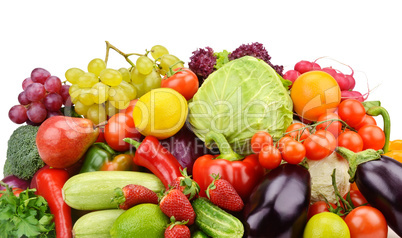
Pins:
x,y
49,185
153,156
243,173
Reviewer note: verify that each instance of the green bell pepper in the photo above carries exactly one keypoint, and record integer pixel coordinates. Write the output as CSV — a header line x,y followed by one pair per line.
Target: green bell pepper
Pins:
x,y
101,157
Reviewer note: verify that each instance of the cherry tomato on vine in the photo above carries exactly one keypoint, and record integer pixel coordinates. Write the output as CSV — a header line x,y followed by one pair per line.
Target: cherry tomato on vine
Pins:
x,y
282,142
317,147
296,132
352,112
332,126
367,120
270,157
183,81
330,137
318,207
356,197
373,137
118,127
351,140
366,221
259,140
293,152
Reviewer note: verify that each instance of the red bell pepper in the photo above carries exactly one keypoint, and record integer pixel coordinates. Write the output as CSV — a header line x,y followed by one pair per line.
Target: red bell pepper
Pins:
x,y
244,173
152,155
49,184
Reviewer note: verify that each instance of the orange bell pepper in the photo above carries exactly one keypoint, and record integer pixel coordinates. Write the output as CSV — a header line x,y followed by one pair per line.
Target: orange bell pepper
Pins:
x,y
395,150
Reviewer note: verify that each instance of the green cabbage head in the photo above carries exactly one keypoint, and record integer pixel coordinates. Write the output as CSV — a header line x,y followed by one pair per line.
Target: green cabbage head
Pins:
x,y
246,95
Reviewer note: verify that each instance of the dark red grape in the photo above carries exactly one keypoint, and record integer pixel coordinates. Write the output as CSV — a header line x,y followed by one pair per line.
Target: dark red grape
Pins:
x,y
39,75
53,84
18,114
26,83
32,123
52,114
53,102
22,98
36,112
64,92
35,92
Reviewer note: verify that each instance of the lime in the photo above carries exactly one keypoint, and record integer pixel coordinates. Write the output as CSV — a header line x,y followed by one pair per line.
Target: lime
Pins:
x,y
161,112
143,220
326,225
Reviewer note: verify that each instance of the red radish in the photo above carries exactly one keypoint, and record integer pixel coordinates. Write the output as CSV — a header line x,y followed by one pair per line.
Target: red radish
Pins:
x,y
342,81
315,66
352,95
303,66
330,71
352,81
291,75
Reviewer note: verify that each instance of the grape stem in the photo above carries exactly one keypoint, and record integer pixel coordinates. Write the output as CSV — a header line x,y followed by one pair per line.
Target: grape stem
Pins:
x,y
110,46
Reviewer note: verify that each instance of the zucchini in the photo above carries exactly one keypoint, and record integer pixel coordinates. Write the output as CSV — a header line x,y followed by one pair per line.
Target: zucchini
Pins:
x,y
95,190
214,221
96,224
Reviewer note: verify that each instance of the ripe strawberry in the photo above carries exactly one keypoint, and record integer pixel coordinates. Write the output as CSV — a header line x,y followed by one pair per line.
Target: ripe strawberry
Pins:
x,y
177,229
221,193
133,194
187,185
176,204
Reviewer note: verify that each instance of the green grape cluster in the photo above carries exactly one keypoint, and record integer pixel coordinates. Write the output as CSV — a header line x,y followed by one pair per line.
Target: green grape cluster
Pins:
x,y
101,92
147,73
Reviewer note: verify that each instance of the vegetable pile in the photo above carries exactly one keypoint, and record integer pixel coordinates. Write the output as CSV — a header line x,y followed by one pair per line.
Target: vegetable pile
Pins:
x,y
230,146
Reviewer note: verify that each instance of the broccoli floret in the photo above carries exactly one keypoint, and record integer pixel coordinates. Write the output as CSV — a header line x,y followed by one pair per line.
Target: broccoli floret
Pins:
x,y
22,155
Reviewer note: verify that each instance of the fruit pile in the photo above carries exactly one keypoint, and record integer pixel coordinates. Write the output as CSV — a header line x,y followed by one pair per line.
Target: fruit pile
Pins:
x,y
219,149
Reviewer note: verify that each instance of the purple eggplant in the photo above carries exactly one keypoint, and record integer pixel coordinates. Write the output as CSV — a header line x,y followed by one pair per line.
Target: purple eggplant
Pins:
x,y
379,179
278,205
186,147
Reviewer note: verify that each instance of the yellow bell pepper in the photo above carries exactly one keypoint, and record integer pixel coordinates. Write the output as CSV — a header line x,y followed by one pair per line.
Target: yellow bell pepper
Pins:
x,y
395,150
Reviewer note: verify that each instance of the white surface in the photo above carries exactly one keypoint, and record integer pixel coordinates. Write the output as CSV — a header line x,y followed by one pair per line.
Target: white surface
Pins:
x,y
60,35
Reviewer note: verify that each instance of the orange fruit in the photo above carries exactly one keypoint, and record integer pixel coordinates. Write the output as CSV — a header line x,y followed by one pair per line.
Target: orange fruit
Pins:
x,y
315,93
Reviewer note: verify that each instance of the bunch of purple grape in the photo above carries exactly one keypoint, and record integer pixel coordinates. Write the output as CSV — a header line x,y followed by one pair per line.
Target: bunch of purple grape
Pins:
x,y
42,97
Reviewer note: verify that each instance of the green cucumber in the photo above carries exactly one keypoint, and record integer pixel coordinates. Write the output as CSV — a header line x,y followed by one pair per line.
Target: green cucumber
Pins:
x,y
214,221
95,190
96,224
199,234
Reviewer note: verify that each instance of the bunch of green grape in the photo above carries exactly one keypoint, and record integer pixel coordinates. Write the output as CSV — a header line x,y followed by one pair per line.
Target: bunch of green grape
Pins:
x,y
148,73
101,92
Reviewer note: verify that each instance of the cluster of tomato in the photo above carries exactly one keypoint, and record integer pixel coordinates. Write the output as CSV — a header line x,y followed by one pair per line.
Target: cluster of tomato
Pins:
x,y
348,127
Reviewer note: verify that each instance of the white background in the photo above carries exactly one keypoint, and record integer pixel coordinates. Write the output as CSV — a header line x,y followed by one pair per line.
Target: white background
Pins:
x,y
59,35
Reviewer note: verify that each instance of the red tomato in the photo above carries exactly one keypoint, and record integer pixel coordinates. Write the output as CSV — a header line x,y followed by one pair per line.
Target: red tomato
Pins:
x,y
331,125
367,120
118,127
317,147
282,142
373,137
356,197
129,110
270,157
295,131
183,81
352,112
318,207
330,137
351,140
293,152
366,221
259,140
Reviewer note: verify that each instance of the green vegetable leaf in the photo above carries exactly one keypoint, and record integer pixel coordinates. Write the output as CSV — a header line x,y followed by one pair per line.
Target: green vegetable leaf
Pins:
x,y
286,83
221,58
25,216
369,104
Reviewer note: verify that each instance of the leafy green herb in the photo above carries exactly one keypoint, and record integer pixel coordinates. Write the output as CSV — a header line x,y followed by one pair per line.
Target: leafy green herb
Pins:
x,y
27,215
221,58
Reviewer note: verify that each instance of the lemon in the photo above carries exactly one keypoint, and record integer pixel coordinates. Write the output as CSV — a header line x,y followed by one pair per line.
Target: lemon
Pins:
x,y
161,112
326,225
143,220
